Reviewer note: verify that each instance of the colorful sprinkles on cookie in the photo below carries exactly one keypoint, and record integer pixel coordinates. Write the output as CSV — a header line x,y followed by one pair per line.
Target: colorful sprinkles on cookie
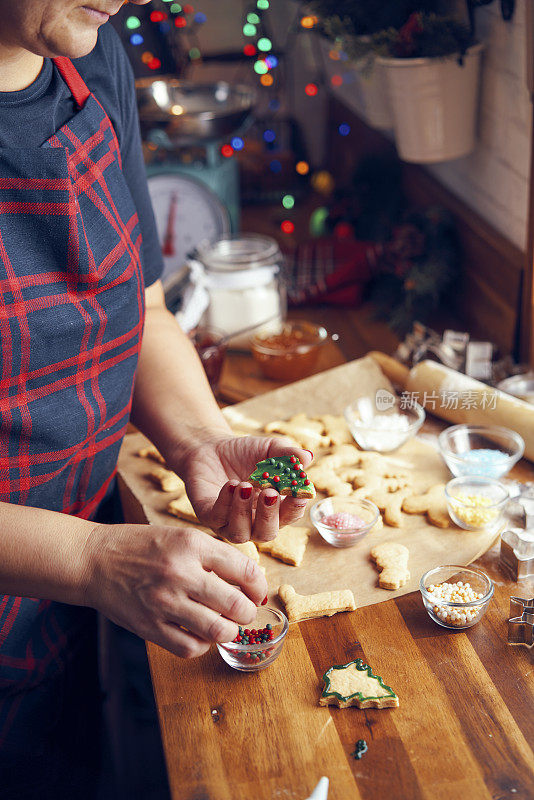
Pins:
x,y
285,474
354,684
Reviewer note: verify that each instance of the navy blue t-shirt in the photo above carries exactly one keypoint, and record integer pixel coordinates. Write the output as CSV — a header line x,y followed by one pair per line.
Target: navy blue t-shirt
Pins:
x,y
31,116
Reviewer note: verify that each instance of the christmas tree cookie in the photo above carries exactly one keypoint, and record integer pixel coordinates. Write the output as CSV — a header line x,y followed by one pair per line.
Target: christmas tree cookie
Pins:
x,y
354,684
285,474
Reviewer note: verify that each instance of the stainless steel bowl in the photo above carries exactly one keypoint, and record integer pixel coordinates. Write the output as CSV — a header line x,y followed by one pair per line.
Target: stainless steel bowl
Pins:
x,y
192,113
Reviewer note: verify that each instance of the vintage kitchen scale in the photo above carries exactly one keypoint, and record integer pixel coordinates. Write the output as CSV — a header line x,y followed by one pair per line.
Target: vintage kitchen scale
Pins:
x,y
194,189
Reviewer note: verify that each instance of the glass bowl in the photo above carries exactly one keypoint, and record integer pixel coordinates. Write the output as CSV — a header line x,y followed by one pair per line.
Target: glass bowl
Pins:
x,y
475,503
456,614
248,657
211,348
381,422
487,450
332,518
291,352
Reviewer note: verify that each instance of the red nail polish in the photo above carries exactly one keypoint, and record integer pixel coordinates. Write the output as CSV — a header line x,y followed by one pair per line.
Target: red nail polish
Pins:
x,y
309,451
232,488
245,492
263,602
270,500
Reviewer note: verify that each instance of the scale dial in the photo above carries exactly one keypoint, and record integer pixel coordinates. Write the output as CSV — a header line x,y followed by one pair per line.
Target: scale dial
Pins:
x,y
187,213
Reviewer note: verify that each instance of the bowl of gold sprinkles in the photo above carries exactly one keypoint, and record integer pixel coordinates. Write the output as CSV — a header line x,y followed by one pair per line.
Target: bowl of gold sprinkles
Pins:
x,y
456,597
476,503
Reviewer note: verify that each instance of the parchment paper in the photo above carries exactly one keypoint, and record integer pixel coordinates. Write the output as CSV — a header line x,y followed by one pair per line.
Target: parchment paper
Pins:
x,y
325,567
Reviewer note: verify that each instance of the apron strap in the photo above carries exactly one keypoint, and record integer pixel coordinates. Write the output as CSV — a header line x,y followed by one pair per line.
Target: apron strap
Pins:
x,y
73,79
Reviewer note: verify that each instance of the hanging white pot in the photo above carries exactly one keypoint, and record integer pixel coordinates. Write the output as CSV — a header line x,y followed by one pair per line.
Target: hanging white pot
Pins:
x,y
359,84
435,104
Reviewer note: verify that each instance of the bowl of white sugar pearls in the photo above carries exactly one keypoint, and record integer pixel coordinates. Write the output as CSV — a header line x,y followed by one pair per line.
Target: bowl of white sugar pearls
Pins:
x,y
383,421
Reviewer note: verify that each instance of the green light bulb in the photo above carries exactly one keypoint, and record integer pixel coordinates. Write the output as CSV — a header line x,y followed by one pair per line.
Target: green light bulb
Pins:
x,y
264,44
249,30
132,23
288,201
175,8
253,19
261,67
263,4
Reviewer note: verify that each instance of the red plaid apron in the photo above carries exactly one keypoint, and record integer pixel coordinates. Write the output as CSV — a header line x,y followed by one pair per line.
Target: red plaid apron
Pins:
x,y
71,319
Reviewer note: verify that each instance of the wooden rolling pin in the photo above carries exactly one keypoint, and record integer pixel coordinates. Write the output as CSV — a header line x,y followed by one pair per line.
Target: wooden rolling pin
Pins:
x,y
434,386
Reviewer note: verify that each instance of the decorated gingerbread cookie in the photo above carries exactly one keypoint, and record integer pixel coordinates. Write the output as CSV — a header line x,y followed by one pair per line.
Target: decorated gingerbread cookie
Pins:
x,y
285,474
354,684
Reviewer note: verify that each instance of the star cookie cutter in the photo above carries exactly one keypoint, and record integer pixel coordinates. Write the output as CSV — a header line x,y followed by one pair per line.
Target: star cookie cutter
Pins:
x,y
521,626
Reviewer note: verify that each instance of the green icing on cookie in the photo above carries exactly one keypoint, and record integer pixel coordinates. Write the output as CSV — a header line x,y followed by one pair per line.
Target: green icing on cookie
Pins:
x,y
361,667
282,472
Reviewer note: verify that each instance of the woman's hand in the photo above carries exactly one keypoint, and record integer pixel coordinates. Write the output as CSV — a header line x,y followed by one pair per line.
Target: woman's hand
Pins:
x,y
216,478
177,587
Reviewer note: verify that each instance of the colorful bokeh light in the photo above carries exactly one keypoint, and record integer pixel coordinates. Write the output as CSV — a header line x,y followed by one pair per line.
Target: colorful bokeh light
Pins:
x,y
265,44
311,89
287,226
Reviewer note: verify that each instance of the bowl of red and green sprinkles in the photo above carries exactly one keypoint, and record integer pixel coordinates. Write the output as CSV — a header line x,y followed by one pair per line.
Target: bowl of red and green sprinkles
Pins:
x,y
489,451
257,645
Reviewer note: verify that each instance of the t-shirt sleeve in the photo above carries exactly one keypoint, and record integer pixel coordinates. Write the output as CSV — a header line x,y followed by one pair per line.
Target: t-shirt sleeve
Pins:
x,y
129,136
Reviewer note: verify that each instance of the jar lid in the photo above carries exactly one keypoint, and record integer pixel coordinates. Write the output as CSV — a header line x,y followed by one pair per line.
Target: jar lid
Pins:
x,y
242,252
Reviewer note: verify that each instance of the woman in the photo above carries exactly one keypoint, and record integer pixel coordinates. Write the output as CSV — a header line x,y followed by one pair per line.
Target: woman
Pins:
x,y
85,340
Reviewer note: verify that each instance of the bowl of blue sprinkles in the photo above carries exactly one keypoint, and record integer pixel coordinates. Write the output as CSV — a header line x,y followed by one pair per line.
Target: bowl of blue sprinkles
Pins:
x,y
486,450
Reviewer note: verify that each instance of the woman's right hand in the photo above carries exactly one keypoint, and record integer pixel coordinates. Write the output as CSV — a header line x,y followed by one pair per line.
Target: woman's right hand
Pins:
x,y
177,587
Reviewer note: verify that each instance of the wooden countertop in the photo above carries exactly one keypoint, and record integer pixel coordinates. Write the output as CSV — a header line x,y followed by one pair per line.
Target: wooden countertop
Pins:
x,y
464,728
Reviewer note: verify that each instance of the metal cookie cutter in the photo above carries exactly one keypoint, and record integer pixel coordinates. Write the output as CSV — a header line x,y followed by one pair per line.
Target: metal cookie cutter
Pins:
x,y
521,628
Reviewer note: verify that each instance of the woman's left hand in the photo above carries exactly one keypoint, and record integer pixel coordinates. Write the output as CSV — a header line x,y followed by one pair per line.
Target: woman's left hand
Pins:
x,y
216,478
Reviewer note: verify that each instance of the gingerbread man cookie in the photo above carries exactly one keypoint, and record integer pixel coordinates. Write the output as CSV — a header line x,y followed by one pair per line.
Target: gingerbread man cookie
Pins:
x,y
304,431
432,503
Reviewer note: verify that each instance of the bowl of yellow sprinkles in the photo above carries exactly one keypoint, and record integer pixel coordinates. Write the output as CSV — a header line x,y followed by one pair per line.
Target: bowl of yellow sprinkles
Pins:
x,y
476,503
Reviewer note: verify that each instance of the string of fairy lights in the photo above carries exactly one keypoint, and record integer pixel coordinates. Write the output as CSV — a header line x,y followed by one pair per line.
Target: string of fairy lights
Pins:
x,y
173,19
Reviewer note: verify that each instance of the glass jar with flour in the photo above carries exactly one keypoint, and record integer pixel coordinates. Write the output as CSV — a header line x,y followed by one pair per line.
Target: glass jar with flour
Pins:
x,y
240,277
